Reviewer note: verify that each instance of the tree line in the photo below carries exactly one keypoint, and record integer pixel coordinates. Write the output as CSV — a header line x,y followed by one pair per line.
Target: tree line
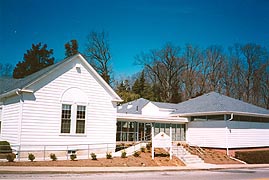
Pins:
x,y
171,73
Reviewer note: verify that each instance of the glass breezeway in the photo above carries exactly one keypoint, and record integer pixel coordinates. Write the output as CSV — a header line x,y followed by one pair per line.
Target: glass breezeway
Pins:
x,y
141,131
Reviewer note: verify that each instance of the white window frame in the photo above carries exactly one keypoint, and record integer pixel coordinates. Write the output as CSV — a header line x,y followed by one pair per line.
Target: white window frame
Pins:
x,y
74,118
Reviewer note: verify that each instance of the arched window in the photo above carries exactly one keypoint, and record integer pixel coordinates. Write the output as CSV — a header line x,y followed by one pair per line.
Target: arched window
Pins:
x,y
74,104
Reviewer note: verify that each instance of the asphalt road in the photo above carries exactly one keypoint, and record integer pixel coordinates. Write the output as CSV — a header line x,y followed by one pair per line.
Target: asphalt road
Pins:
x,y
231,174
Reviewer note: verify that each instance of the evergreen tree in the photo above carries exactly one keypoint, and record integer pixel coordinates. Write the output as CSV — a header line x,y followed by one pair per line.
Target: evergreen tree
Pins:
x,y
124,91
35,59
140,85
71,48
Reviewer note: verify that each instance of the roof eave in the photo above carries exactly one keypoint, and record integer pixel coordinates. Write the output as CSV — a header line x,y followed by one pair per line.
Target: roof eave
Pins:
x,y
137,117
15,92
218,113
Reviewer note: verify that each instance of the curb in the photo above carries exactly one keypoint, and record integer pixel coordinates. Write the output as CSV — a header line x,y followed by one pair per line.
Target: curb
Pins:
x,y
79,170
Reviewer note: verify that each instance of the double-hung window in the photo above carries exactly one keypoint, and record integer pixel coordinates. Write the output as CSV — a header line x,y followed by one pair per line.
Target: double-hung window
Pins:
x,y
66,118
73,119
80,124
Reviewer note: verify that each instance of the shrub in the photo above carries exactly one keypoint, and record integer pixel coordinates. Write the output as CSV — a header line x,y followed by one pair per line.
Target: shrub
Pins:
x,y
148,146
5,147
109,155
123,154
136,154
53,157
11,157
94,157
143,149
73,157
31,157
253,157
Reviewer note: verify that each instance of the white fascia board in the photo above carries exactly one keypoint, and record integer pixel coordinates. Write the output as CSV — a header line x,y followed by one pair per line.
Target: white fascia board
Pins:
x,y
9,93
15,92
143,118
219,113
100,79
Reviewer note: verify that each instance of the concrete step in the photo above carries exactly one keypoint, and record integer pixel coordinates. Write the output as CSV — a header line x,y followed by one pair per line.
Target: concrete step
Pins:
x,y
185,156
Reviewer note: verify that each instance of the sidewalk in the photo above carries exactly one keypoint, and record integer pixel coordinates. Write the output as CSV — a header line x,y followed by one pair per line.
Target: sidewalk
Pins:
x,y
194,167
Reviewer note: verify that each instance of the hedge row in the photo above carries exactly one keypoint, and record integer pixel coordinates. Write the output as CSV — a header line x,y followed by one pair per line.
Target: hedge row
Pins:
x,y
253,157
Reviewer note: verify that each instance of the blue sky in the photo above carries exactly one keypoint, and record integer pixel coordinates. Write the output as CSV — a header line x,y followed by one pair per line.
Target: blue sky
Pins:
x,y
133,26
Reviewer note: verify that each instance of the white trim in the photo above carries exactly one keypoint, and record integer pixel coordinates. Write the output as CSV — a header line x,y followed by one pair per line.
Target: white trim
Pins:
x,y
73,123
99,78
115,97
143,118
220,112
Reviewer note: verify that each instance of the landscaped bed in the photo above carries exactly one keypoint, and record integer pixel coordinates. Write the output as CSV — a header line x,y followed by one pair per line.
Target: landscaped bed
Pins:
x,y
144,159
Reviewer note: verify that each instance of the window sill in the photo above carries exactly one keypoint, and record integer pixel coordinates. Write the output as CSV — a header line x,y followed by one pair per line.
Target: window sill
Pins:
x,y
73,135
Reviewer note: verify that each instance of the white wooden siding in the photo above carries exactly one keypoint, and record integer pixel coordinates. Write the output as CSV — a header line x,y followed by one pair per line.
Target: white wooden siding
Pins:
x,y
248,134
10,119
42,116
206,133
237,135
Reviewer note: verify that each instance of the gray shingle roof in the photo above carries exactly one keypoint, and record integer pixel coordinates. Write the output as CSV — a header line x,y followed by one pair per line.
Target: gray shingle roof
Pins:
x,y
164,105
9,84
215,102
133,107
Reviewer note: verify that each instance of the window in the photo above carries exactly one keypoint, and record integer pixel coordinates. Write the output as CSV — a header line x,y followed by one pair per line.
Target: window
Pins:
x,y
66,118
80,125
73,119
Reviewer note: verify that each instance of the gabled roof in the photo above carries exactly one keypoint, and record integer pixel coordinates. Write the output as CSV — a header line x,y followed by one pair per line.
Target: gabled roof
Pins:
x,y
216,103
11,85
163,105
133,107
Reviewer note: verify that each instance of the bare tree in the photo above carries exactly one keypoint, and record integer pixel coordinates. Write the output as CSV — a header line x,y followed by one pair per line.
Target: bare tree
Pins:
x,y
98,54
214,58
164,66
192,59
253,58
265,89
236,72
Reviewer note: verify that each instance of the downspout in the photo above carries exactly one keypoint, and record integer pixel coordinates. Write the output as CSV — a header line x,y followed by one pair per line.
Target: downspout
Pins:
x,y
226,134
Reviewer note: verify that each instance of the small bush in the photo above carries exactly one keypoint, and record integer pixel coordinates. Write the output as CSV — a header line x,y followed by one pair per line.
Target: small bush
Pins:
x,y
143,149
109,155
136,154
148,146
31,157
5,147
11,157
53,157
123,154
94,157
73,157
253,157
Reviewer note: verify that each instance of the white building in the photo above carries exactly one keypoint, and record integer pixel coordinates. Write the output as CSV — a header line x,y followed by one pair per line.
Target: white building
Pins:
x,y
211,120
67,103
